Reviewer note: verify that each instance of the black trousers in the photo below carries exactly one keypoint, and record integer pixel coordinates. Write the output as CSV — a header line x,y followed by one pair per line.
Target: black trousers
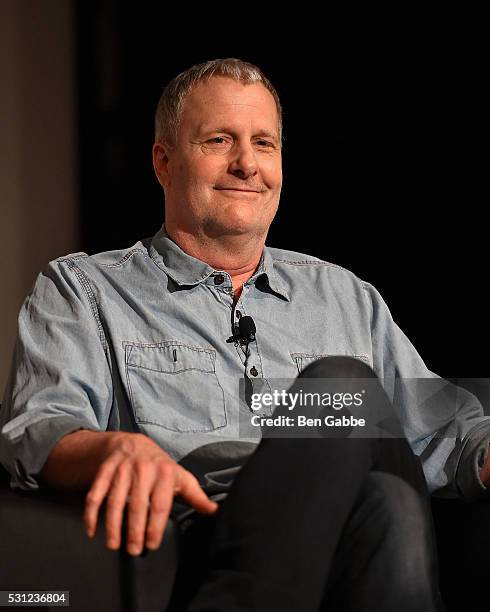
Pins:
x,y
337,523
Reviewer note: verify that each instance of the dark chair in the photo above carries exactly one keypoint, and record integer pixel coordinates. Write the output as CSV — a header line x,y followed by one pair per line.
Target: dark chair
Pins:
x,y
44,547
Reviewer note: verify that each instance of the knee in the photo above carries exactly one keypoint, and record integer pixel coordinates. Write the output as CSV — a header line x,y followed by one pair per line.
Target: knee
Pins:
x,y
338,366
394,498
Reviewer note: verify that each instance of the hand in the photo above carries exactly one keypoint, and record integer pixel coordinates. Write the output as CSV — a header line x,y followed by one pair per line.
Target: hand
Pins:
x,y
485,471
139,471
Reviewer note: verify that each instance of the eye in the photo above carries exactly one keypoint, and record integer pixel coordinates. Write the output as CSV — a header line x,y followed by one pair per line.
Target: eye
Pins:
x,y
217,144
264,143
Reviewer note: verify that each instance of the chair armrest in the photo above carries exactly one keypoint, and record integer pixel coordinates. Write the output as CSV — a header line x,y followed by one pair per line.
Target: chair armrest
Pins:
x,y
44,547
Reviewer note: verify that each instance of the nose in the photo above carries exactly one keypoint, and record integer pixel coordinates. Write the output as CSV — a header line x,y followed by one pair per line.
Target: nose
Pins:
x,y
243,162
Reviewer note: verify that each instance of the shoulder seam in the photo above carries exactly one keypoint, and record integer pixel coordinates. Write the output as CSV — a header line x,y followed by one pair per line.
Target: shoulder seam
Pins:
x,y
87,288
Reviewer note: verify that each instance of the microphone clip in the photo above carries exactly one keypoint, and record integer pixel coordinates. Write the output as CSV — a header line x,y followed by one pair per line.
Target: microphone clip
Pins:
x,y
244,332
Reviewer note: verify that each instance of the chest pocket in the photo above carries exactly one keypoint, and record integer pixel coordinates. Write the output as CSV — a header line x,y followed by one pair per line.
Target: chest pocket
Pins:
x,y
175,386
302,360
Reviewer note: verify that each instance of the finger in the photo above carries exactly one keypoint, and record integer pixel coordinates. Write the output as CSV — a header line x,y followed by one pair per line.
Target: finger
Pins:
x,y
160,506
97,492
116,503
187,486
144,477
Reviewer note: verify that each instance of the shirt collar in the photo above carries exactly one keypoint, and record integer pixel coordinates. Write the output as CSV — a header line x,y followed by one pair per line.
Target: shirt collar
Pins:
x,y
187,270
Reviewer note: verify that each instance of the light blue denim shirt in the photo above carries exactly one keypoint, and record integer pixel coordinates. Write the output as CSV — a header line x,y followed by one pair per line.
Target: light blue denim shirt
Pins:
x,y
143,332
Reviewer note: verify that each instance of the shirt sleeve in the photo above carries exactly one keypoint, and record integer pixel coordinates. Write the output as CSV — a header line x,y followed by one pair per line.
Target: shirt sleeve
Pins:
x,y
444,423
60,378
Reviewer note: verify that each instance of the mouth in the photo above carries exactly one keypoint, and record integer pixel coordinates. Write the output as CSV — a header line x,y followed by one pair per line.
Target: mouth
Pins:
x,y
236,189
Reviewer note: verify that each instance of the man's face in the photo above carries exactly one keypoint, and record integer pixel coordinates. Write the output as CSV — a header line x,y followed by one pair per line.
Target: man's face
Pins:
x,y
224,175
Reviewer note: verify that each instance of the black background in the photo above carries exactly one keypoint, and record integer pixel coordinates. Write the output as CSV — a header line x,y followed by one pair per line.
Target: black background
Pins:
x,y
385,156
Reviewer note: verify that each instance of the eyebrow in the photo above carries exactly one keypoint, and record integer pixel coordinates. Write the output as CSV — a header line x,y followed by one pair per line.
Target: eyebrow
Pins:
x,y
205,128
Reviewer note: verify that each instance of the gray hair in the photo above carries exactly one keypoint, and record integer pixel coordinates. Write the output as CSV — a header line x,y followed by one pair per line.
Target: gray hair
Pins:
x,y
171,103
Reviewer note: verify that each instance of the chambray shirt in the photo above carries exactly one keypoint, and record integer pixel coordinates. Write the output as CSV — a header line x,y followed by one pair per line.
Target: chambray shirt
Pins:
x,y
137,340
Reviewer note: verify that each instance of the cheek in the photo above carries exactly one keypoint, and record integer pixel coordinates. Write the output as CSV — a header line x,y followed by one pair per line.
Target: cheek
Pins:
x,y
188,179
272,172
279,178
205,167
198,187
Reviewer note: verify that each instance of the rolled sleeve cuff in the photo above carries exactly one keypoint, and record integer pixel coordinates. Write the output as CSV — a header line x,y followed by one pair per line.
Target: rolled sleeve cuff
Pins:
x,y
31,450
472,458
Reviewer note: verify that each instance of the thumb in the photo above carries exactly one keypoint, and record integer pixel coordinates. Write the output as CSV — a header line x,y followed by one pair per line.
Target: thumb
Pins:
x,y
189,489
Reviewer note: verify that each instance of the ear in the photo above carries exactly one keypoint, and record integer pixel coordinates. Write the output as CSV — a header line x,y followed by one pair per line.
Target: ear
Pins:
x,y
160,162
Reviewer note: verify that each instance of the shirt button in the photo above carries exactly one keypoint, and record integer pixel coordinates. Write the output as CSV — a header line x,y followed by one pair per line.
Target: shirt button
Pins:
x,y
219,279
238,314
253,371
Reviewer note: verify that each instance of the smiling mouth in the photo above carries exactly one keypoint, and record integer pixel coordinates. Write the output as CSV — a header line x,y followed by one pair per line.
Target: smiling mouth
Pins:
x,y
235,189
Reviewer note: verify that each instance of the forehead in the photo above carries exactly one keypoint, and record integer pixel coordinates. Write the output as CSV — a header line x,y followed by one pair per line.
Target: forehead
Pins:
x,y
222,99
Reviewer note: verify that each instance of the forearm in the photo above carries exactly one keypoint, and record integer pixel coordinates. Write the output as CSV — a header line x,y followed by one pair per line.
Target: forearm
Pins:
x,y
75,459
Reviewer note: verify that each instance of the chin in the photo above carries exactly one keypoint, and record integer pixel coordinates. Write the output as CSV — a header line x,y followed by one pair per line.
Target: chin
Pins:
x,y
235,227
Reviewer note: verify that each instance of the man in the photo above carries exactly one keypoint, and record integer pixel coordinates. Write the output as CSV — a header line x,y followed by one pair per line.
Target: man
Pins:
x,y
149,340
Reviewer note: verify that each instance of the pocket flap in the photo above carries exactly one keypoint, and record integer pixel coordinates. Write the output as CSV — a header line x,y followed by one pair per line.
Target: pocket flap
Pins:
x,y
170,357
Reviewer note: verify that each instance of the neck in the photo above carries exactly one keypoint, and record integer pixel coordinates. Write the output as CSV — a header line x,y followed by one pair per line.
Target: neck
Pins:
x,y
237,255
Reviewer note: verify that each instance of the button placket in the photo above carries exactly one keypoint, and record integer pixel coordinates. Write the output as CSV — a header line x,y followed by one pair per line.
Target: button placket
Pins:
x,y
253,365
